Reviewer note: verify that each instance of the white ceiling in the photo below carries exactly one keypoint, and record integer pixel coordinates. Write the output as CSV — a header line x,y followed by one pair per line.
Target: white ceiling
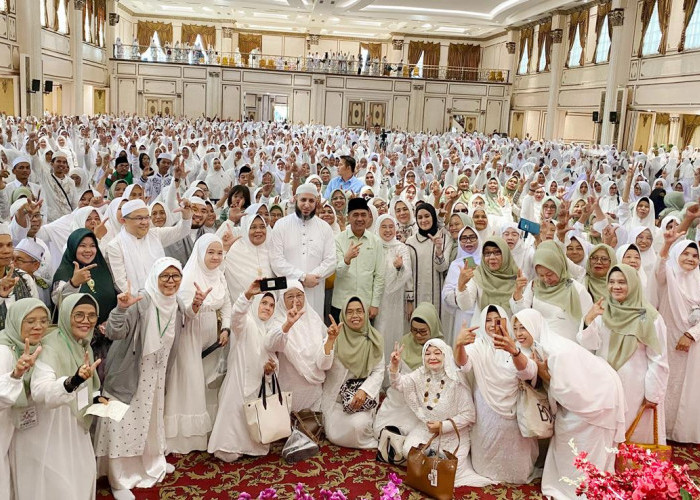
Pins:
x,y
360,18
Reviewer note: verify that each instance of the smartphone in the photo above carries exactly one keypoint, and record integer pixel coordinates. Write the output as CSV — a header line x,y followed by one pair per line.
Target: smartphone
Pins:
x,y
529,227
270,284
503,323
469,262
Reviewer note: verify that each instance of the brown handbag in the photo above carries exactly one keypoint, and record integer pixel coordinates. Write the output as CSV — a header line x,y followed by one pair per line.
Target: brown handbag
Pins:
x,y
310,423
664,452
433,475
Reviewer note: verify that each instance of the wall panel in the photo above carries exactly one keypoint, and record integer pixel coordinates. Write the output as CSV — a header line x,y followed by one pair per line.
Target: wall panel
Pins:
x,y
301,106
194,99
231,102
334,109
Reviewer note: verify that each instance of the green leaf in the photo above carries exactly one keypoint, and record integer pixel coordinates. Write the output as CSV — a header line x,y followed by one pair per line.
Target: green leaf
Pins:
x,y
685,495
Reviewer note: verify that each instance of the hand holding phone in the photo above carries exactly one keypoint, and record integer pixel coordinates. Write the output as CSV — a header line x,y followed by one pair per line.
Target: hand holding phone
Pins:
x,y
470,263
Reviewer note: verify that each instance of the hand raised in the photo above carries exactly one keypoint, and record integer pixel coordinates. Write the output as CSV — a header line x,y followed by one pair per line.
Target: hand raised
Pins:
x,y
125,299
81,275
86,371
334,329
520,282
200,295
396,357
466,335
26,360
465,276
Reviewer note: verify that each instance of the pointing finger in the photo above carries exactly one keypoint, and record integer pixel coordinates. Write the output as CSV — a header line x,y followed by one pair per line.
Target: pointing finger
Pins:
x,y
95,364
91,266
332,320
197,287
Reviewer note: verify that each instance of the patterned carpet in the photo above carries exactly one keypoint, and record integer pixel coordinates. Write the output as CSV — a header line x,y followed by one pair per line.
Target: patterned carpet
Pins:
x,y
200,476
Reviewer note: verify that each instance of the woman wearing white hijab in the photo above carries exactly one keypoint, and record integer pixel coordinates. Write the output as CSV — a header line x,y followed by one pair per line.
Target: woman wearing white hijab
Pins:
x,y
499,451
397,276
190,407
216,178
303,346
248,258
448,400
521,250
247,362
678,278
112,223
586,397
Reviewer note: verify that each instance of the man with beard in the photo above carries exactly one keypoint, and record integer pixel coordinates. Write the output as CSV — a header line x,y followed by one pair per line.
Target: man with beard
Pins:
x,y
302,247
182,249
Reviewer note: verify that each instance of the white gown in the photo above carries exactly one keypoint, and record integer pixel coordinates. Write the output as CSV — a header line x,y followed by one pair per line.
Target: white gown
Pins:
x,y
10,390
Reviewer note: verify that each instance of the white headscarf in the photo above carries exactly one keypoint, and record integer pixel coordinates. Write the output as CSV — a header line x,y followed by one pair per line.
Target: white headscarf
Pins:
x,y
80,217
683,286
253,345
162,311
197,272
246,262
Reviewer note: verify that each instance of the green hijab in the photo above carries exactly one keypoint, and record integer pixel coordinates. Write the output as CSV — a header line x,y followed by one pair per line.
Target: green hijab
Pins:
x,y
556,204
492,206
413,351
464,196
359,351
598,287
497,286
65,354
563,295
674,201
630,322
11,337
21,192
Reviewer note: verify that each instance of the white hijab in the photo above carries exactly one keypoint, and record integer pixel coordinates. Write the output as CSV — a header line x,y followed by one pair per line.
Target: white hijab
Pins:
x,y
196,272
246,262
80,217
253,345
161,314
683,286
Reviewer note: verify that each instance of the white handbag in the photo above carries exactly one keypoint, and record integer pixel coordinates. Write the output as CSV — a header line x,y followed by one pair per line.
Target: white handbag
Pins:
x,y
268,416
534,415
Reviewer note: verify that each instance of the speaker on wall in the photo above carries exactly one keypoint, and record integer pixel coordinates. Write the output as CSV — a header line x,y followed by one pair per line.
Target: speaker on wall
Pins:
x,y
48,86
596,116
613,117
36,85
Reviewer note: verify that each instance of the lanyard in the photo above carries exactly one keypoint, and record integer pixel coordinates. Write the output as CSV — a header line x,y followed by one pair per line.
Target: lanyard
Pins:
x,y
162,331
62,334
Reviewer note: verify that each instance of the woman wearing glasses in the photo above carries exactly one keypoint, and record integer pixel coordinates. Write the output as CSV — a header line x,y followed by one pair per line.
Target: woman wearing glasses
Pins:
x,y
57,454
602,258
132,451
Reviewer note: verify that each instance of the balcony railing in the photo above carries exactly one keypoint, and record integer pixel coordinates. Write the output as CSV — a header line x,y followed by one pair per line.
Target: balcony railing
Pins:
x,y
312,64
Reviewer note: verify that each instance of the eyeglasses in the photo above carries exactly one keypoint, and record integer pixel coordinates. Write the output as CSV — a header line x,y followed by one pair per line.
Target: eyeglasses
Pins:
x,y
138,218
81,316
461,211
414,331
296,296
600,260
175,278
469,239
495,253
24,261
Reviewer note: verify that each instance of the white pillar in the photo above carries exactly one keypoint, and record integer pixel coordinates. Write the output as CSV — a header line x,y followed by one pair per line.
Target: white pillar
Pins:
x,y
76,50
674,130
111,31
556,70
617,17
29,38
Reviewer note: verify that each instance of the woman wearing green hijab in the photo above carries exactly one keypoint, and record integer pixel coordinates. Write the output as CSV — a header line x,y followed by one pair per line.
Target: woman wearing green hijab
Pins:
x,y
351,388
630,334
26,324
493,279
425,325
600,260
57,454
560,299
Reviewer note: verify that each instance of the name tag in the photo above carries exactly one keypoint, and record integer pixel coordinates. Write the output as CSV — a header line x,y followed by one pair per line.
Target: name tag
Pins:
x,y
26,418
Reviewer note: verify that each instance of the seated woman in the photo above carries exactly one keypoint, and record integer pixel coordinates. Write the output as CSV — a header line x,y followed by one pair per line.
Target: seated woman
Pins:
x,y
64,384
562,300
499,451
248,361
25,326
351,389
438,395
425,325
629,333
303,346
586,396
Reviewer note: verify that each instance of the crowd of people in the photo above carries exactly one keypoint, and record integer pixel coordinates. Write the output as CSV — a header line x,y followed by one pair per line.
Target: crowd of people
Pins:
x,y
429,279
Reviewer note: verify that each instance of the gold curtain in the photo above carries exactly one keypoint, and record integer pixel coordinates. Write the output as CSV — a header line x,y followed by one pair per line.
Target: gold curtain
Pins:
x,y
603,10
664,18
578,19
374,49
689,124
431,57
544,42
688,9
527,34
190,32
664,8
248,42
145,30
462,56
101,7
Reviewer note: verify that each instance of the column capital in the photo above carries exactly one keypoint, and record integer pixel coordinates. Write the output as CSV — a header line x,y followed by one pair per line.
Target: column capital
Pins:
x,y
510,47
617,17
79,4
557,35
674,118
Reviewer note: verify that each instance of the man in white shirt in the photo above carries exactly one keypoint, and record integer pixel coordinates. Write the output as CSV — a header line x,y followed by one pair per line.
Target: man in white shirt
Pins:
x,y
302,247
58,189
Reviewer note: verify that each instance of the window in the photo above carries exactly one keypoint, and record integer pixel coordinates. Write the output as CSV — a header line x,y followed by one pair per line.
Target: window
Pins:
x,y
3,5
652,38
542,64
603,51
42,13
576,49
87,28
692,32
524,60
62,14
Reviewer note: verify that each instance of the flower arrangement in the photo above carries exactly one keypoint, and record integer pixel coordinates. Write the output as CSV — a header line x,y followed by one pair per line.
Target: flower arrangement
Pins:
x,y
648,479
390,491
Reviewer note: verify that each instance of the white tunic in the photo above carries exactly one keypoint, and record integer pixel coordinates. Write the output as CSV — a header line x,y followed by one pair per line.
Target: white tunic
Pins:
x,y
299,247
10,390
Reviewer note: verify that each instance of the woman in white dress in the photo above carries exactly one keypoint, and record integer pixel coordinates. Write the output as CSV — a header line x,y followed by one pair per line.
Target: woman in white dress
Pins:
x,y
561,300
64,383
357,371
678,276
247,362
303,346
397,274
522,250
131,452
629,333
26,325
586,397
438,394
190,406
499,451
248,258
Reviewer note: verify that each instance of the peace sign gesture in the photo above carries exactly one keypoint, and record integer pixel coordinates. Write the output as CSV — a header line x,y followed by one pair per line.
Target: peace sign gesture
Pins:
x,y
25,361
87,369
7,284
597,310
437,243
396,357
199,297
125,299
352,252
293,316
334,329
81,275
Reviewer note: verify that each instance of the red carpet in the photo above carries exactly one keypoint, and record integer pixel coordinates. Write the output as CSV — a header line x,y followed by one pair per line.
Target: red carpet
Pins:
x,y
355,472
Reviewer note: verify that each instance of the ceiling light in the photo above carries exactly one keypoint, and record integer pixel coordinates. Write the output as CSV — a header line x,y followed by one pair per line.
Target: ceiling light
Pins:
x,y
350,3
449,29
264,27
270,15
376,24
427,10
176,7
348,33
207,9
427,26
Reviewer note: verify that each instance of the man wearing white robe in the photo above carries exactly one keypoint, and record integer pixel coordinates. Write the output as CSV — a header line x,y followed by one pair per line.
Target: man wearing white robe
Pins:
x,y
302,247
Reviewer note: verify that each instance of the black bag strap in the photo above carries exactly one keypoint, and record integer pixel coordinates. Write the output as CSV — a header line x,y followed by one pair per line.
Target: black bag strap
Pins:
x,y
63,191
